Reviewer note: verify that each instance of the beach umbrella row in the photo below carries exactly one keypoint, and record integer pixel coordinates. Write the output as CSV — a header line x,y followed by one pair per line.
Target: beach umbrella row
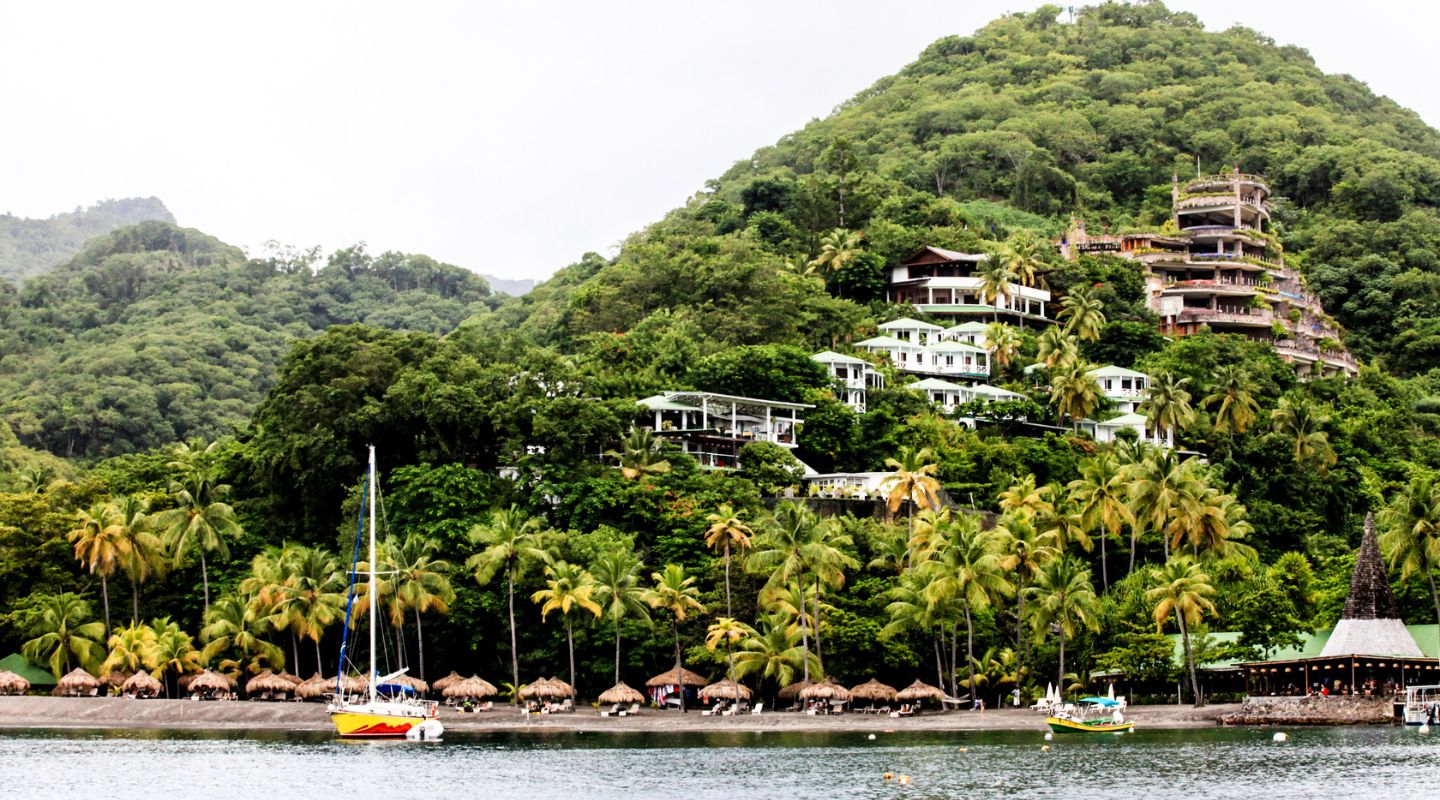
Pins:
x,y
142,684
547,689
10,683
268,682
620,693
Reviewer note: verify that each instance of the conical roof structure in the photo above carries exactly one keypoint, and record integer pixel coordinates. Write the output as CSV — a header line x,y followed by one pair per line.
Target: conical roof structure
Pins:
x,y
1370,625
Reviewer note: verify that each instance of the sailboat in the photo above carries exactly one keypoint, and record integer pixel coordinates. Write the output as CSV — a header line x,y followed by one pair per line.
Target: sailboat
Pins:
x,y
384,709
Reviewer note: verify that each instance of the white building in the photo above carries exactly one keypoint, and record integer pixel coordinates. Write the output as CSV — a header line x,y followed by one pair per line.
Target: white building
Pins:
x,y
968,332
1107,431
949,395
1125,388
911,330
944,283
937,356
850,485
853,376
713,427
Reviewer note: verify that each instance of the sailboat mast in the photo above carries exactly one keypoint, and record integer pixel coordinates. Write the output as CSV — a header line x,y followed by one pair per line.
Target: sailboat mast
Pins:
x,y
373,589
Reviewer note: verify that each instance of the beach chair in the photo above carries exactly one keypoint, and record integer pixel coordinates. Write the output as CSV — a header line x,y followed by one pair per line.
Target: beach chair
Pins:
x,y
634,708
755,712
613,712
567,706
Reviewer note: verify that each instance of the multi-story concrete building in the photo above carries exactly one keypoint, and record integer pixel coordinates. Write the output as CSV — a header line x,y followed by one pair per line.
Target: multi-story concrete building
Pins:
x,y
1222,268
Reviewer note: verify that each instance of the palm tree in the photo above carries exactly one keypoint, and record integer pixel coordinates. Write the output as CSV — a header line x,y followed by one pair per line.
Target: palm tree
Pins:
x,y
827,558
100,545
782,551
1024,498
128,649
729,631
313,595
512,540
913,482
1064,600
1003,343
264,590
1064,521
567,587
675,592
995,281
172,651
965,568
1025,551
63,628
1057,348
1230,395
1182,590
1160,487
639,456
232,626
1412,532
1074,392
618,591
837,249
1020,255
145,554
1101,493
909,609
727,530
775,652
201,519
1083,313
419,584
1167,406
1300,421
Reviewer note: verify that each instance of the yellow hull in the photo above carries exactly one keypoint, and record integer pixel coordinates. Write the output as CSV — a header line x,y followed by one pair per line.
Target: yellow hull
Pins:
x,y
360,725
1071,726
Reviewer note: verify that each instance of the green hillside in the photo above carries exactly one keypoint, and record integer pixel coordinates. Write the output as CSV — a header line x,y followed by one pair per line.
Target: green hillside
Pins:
x,y
32,246
154,333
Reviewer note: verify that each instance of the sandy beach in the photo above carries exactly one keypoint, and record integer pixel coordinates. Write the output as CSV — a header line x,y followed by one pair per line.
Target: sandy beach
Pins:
x,y
107,712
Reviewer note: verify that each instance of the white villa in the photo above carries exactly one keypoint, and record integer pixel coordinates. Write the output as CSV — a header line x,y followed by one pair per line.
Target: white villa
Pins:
x,y
853,377
911,330
1125,388
948,395
850,485
968,332
713,427
1107,431
922,348
943,283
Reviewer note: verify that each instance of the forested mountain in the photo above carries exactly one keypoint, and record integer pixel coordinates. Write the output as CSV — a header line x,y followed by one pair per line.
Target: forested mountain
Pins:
x,y
515,425
155,333
32,246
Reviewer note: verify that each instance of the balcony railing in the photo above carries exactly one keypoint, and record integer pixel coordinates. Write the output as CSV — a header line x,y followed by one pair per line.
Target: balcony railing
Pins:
x,y
1235,314
1226,180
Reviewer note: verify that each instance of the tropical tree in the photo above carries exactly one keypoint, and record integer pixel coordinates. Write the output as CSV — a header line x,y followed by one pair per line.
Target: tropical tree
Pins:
x,y
64,633
1056,348
1083,313
1301,421
827,558
909,609
512,540
995,282
201,520
1064,599
1024,498
727,530
129,647
1003,342
774,652
101,546
1024,551
419,584
913,482
640,455
1101,493
1162,488
144,555
618,591
837,249
231,626
173,652
1182,590
729,631
1232,396
264,588
674,592
783,550
1020,255
312,597
1074,392
1167,406
568,588
1411,539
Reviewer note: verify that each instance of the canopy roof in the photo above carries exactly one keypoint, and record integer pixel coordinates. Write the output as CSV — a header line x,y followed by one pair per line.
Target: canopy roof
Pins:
x,y
934,384
967,327
726,690
677,677
546,689
142,682
874,690
832,357
19,665
952,346
887,342
79,679
471,688
825,690
1112,371
1370,625
908,324
920,690
793,690
446,682
621,693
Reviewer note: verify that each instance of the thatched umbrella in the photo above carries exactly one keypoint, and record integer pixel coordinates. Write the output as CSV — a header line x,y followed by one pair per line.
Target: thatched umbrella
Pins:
x,y
353,684
268,682
446,682
115,679
419,686
676,677
77,683
620,693
293,680
315,686
142,684
792,692
726,690
471,688
10,683
919,690
873,691
207,681
827,689
547,689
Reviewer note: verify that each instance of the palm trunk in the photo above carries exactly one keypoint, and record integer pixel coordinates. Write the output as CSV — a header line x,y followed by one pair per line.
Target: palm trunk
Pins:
x,y
679,667
1104,568
970,655
1061,681
1190,662
954,660
1134,536
1020,623
420,644
819,652
205,580
1434,595
105,600
570,642
295,653
617,652
319,660
514,653
134,603
729,610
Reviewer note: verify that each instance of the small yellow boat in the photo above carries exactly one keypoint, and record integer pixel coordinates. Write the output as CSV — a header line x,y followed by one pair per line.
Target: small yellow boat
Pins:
x,y
1091,717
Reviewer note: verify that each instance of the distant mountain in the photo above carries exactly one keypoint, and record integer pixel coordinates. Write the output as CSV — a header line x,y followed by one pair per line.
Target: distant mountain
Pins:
x,y
33,246
514,288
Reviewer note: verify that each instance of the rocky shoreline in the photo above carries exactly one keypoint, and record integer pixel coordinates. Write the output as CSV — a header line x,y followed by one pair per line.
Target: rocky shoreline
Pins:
x,y
120,713
1315,710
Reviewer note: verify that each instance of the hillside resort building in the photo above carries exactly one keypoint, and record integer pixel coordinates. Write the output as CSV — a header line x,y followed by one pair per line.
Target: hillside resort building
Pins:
x,y
1222,268
945,284
714,427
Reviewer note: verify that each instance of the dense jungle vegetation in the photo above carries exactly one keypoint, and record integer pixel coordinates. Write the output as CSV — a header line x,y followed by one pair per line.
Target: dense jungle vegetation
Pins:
x,y
187,427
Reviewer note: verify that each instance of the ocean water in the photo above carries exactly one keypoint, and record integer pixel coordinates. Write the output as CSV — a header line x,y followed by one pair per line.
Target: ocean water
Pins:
x,y
1229,763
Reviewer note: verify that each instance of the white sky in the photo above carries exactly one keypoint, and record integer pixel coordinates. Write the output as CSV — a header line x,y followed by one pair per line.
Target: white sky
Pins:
x,y
505,139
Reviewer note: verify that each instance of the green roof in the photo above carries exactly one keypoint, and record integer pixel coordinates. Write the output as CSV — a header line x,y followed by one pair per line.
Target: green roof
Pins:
x,y
19,665
1427,636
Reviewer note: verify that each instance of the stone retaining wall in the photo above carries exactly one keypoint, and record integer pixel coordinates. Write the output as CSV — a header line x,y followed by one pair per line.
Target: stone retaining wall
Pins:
x,y
1313,711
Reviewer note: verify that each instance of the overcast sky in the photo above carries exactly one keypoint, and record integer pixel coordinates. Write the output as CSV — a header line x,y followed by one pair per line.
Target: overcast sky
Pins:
x,y
505,139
